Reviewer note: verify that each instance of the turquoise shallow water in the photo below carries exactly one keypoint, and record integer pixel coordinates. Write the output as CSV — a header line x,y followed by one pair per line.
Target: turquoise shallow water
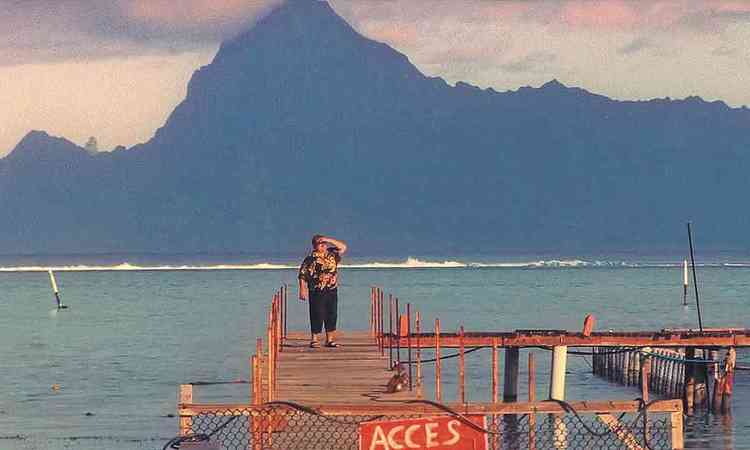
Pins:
x,y
131,337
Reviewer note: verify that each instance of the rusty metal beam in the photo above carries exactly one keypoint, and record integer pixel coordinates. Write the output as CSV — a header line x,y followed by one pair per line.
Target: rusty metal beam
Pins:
x,y
551,338
396,408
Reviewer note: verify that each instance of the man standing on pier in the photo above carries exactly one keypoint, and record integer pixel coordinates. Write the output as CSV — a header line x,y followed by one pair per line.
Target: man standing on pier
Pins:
x,y
318,283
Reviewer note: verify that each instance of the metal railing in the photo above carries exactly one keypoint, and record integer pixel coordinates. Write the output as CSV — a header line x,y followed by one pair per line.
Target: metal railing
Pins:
x,y
536,426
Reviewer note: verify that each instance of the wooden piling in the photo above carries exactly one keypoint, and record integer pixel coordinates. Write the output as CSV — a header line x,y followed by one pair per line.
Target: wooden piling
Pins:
x,y
689,391
625,368
510,379
557,392
557,376
645,374
728,384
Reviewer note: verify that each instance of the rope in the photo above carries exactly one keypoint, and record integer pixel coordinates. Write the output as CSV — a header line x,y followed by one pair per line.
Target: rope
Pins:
x,y
456,414
211,383
454,355
308,410
642,413
682,360
197,437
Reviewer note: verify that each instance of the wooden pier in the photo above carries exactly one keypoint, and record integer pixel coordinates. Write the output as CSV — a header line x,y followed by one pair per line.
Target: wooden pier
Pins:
x,y
354,373
296,390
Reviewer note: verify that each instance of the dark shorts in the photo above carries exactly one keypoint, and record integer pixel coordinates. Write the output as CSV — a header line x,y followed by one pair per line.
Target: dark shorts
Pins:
x,y
323,310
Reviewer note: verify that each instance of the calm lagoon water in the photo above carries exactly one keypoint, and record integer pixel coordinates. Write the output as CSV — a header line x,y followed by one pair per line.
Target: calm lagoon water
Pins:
x,y
131,337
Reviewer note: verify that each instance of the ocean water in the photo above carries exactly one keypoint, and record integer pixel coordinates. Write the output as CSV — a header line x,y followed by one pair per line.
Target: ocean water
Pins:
x,y
131,336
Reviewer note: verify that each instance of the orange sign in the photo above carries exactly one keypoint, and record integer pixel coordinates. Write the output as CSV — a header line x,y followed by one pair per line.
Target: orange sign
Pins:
x,y
435,433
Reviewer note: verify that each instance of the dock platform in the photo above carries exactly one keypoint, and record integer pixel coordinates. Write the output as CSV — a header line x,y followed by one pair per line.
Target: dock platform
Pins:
x,y
353,373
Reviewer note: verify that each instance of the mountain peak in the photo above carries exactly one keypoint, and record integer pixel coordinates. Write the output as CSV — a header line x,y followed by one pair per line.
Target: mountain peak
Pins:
x,y
38,144
294,21
553,84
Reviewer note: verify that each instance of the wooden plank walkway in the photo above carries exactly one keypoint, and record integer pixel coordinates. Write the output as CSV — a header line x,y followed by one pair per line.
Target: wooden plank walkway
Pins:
x,y
354,373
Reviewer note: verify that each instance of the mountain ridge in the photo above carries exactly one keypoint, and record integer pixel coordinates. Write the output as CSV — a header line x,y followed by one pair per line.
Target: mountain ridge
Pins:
x,y
302,125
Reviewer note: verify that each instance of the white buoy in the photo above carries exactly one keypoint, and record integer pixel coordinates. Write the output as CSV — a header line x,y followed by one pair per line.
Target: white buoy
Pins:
x,y
684,282
55,290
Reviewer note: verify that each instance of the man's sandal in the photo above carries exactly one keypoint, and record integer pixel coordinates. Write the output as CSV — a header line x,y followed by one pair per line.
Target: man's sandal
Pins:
x,y
332,344
314,344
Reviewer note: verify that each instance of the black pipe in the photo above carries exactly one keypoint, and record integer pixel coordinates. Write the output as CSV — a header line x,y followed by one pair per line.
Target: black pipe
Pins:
x,y
695,279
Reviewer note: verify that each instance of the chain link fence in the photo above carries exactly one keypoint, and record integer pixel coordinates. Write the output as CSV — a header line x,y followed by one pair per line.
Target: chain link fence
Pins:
x,y
284,427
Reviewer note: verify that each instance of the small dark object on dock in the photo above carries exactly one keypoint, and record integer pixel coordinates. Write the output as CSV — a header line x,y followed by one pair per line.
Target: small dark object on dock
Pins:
x,y
398,382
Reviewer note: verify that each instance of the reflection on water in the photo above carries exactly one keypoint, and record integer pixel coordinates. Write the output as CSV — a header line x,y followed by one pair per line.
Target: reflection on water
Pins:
x,y
709,431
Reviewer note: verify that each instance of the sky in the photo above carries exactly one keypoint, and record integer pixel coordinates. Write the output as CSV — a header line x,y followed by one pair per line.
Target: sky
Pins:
x,y
115,69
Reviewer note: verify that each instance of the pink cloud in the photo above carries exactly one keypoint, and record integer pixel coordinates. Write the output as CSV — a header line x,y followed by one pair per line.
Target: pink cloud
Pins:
x,y
623,14
609,14
731,7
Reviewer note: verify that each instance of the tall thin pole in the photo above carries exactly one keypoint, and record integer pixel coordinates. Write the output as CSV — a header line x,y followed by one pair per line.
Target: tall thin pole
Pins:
x,y
695,279
438,392
418,324
408,340
381,313
398,327
461,366
390,330
286,308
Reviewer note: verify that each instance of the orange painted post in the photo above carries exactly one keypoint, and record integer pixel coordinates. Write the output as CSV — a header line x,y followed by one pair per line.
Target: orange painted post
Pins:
x,y
390,331
532,398
254,384
397,317
418,326
372,311
588,325
438,395
186,397
259,373
279,328
728,384
461,366
408,343
495,393
270,361
286,309
494,371
381,313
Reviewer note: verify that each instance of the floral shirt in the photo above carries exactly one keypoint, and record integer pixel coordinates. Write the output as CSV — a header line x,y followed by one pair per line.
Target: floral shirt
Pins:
x,y
320,269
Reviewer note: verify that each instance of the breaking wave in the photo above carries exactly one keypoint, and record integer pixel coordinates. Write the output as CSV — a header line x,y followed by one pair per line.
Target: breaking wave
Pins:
x,y
408,263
